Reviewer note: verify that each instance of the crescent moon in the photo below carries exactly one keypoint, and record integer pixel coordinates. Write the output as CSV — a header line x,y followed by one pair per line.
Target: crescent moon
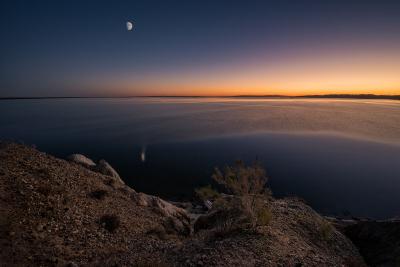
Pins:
x,y
129,25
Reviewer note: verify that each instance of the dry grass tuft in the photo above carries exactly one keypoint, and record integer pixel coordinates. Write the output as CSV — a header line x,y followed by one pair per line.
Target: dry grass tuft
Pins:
x,y
326,230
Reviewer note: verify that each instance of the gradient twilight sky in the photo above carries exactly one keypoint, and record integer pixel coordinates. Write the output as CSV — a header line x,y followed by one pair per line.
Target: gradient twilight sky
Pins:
x,y
82,48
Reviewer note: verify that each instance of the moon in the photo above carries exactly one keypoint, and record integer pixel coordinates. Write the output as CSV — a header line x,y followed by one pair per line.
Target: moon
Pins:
x,y
129,25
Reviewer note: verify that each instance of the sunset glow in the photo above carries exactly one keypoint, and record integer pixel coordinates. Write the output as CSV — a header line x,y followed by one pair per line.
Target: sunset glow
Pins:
x,y
331,72
276,48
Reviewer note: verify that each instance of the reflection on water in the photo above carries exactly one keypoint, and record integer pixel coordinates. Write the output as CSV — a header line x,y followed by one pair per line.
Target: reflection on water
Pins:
x,y
340,155
143,154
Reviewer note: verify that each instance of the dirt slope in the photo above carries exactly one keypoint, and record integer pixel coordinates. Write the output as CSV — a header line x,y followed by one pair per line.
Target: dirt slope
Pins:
x,y
57,213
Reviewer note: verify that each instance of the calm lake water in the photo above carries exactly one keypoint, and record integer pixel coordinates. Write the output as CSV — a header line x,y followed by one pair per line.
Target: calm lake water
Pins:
x,y
341,156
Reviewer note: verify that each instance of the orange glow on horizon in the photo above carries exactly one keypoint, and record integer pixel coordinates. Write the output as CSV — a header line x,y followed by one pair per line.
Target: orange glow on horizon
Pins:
x,y
307,73
190,90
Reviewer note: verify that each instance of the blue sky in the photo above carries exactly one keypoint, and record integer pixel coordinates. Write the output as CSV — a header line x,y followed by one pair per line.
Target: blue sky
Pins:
x,y
74,48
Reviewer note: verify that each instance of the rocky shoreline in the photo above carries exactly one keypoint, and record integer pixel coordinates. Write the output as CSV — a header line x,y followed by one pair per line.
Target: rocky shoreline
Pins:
x,y
78,213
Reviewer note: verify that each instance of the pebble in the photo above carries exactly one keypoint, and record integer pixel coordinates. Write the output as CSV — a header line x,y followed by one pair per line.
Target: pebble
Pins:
x,y
72,264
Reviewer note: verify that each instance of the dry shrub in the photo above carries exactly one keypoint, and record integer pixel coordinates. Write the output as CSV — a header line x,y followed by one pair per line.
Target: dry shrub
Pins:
x,y
206,193
110,182
98,194
262,214
242,213
42,173
255,207
242,180
248,184
110,222
5,226
326,230
44,190
48,212
158,231
246,205
150,263
47,189
354,262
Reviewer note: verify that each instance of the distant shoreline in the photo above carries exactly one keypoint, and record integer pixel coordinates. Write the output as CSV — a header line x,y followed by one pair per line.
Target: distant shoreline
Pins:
x,y
339,96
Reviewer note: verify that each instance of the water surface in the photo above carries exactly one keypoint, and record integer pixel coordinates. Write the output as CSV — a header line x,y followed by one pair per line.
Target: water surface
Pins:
x,y
342,156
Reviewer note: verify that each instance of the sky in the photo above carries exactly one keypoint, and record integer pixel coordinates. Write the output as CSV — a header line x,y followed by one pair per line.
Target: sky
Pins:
x,y
216,48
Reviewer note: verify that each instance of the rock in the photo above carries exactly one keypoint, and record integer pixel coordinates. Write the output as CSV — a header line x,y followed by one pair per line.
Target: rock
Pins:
x,y
184,205
71,264
105,168
159,231
40,227
378,241
177,219
208,204
82,160
167,209
207,221
173,225
140,199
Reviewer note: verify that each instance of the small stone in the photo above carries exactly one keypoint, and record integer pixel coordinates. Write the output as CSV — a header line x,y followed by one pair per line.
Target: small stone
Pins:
x,y
71,264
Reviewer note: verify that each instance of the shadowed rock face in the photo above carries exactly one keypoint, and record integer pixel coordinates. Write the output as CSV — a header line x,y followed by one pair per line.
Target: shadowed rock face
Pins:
x,y
105,168
378,241
53,212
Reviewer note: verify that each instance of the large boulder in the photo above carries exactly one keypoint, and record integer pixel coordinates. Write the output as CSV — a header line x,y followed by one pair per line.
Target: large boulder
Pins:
x,y
105,168
165,208
176,218
82,160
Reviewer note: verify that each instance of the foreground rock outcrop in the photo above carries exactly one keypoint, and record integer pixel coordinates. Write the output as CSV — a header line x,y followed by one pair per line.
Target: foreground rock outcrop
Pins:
x,y
377,240
57,213
102,167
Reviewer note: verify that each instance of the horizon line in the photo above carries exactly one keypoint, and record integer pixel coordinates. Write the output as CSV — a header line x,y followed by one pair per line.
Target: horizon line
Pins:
x,y
360,96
